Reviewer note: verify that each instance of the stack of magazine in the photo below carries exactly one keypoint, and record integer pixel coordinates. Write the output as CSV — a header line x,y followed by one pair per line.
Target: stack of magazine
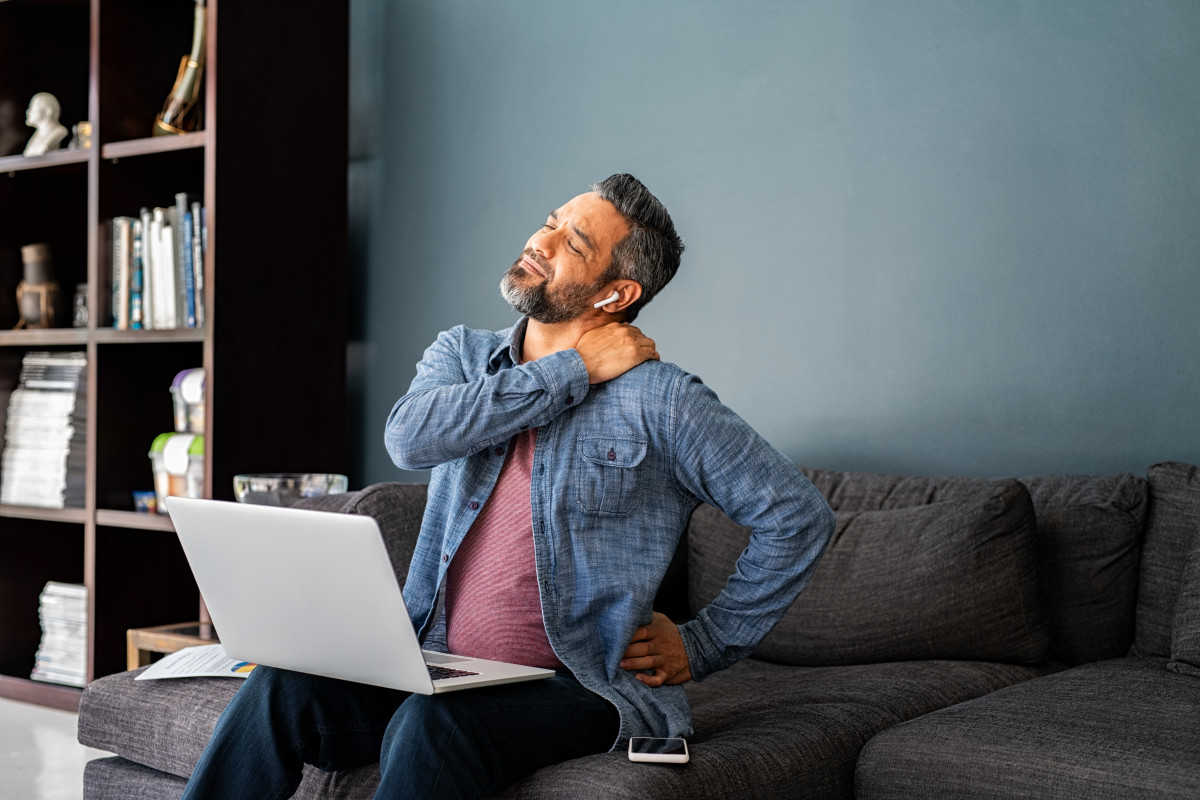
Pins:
x,y
45,436
62,655
158,266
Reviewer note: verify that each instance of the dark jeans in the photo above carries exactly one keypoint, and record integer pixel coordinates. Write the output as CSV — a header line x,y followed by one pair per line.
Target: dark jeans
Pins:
x,y
461,744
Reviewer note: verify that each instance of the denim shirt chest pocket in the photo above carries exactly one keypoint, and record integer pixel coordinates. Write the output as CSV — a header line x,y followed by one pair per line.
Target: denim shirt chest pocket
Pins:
x,y
606,475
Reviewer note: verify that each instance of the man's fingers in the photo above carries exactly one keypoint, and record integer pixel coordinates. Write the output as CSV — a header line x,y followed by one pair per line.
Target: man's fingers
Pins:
x,y
657,679
644,662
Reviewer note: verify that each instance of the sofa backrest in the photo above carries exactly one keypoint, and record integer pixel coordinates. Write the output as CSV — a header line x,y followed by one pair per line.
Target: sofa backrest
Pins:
x,y
1173,522
1088,536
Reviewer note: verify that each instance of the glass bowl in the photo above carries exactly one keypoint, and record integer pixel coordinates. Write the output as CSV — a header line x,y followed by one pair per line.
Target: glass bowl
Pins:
x,y
286,488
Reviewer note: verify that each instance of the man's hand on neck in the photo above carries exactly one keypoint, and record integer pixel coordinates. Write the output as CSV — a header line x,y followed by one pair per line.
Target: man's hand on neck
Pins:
x,y
608,349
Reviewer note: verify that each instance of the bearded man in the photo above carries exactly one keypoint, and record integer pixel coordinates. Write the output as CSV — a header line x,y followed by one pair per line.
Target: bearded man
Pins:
x,y
566,460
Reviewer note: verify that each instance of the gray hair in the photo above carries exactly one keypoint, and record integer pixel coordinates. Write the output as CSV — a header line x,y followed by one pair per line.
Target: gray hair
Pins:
x,y
650,252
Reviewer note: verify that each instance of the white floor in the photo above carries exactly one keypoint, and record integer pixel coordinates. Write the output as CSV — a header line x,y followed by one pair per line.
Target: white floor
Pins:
x,y
40,758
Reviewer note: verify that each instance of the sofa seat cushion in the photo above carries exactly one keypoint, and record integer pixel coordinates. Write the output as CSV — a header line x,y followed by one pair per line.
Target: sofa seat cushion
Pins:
x,y
118,778
159,729
762,730
1124,729
954,580
162,724
771,731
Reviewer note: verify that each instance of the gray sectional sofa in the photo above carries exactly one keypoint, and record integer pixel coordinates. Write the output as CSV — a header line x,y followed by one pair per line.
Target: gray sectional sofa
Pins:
x,y
963,637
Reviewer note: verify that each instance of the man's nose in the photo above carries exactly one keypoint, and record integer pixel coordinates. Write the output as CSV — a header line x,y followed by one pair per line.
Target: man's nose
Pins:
x,y
543,243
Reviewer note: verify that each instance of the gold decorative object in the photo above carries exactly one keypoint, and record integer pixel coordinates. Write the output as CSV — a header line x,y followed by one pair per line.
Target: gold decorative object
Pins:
x,y
179,113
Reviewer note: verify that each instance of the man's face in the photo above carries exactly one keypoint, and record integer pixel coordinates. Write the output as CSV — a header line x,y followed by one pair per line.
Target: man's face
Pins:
x,y
36,113
559,274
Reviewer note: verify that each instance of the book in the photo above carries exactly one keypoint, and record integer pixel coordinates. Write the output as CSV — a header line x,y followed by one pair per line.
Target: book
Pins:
x,y
122,252
61,656
148,287
198,259
162,243
45,434
189,275
183,258
135,277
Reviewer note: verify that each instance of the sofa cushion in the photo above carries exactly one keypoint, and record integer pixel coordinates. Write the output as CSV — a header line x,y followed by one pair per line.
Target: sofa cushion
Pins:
x,y
771,731
1185,634
1089,536
118,778
1173,518
956,579
1121,729
162,724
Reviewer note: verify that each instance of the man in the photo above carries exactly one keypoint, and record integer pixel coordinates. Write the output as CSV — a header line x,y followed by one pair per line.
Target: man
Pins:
x,y
566,461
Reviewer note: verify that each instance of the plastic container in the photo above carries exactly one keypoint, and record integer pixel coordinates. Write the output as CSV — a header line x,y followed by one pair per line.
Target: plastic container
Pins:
x,y
187,390
178,461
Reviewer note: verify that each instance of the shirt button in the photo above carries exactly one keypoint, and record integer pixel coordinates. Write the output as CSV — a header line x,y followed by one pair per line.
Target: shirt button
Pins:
x,y
499,451
612,455
445,557
570,399
474,505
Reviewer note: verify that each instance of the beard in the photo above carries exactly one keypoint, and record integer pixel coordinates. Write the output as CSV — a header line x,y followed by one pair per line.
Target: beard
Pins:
x,y
539,302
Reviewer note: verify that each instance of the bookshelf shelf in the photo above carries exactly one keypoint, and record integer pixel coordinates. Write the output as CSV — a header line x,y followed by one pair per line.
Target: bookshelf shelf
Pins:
x,y
45,694
47,337
113,336
74,515
58,158
112,62
154,144
134,521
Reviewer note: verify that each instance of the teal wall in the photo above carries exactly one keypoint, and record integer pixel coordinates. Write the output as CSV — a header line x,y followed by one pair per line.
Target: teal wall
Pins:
x,y
923,236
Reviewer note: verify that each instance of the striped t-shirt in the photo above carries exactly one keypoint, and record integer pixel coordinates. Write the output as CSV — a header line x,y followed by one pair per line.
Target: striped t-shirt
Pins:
x,y
493,608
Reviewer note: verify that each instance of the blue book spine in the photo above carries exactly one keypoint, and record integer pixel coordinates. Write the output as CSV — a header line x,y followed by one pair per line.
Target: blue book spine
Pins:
x,y
135,279
189,282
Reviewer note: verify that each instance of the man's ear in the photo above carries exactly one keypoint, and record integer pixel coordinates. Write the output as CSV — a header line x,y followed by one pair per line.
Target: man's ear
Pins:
x,y
628,293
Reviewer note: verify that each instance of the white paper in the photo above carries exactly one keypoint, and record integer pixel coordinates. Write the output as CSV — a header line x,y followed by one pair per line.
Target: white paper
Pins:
x,y
204,661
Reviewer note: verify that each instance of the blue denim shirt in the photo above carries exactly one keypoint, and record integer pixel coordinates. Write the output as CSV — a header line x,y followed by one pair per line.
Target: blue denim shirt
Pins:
x,y
618,468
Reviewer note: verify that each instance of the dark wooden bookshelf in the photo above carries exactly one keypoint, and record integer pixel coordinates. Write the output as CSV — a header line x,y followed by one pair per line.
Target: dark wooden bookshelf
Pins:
x,y
273,345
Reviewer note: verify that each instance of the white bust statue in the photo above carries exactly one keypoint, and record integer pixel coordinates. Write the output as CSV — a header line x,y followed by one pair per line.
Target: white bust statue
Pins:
x,y
42,116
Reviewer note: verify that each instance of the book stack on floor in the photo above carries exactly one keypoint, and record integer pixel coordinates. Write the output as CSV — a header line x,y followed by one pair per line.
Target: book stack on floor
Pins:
x,y
158,267
62,655
46,433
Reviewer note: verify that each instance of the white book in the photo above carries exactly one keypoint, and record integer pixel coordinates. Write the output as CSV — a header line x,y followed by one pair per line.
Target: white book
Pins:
x,y
148,287
165,301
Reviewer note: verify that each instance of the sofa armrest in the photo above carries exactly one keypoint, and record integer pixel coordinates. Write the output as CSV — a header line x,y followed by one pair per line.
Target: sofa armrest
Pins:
x,y
398,508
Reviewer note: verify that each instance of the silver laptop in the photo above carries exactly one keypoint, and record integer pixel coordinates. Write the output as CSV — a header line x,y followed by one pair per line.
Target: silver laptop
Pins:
x,y
314,591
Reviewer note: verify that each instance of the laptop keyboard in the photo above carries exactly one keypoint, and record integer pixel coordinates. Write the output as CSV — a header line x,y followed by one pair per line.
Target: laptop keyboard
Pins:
x,y
437,673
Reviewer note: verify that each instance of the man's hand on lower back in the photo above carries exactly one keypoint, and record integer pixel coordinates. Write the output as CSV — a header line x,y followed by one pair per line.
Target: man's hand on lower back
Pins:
x,y
658,647
613,349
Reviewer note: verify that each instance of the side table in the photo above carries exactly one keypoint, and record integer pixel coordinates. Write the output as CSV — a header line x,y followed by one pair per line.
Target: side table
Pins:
x,y
141,643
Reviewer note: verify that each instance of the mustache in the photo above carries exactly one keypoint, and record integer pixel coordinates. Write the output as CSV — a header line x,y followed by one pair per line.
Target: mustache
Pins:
x,y
536,258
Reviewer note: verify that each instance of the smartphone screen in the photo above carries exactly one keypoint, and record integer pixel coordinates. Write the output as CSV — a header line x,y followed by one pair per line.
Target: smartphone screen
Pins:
x,y
661,747
661,750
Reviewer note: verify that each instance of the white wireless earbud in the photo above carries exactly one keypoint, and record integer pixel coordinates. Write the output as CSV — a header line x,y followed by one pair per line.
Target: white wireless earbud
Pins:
x,y
615,297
